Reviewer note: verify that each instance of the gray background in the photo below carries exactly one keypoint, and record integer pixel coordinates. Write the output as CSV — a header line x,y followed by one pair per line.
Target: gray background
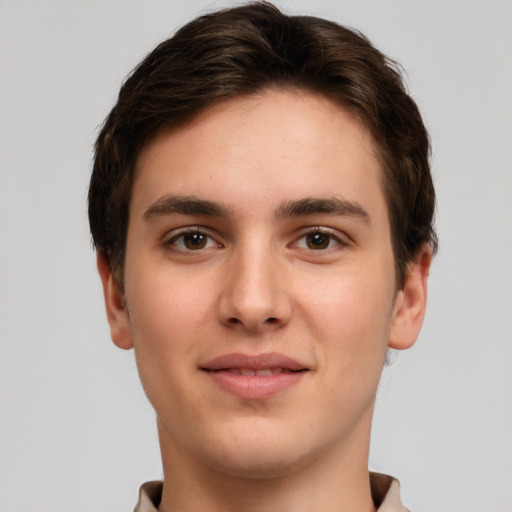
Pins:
x,y
76,432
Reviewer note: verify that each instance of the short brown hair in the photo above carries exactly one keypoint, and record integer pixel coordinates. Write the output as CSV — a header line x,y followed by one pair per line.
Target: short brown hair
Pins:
x,y
241,51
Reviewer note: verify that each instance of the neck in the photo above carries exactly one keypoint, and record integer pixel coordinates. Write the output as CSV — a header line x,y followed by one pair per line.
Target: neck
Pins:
x,y
335,481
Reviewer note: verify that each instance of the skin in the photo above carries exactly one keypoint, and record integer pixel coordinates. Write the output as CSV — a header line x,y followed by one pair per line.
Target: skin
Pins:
x,y
259,284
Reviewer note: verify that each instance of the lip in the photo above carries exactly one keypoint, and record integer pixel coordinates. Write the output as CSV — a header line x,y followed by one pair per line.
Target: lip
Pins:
x,y
226,372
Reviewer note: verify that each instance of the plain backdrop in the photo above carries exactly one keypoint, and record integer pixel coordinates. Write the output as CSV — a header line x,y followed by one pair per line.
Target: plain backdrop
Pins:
x,y
76,432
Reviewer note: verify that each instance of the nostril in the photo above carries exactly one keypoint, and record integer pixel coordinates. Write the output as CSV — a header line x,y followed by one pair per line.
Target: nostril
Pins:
x,y
270,320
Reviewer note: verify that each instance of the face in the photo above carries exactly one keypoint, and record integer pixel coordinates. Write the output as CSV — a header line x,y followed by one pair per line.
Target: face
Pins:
x,y
259,285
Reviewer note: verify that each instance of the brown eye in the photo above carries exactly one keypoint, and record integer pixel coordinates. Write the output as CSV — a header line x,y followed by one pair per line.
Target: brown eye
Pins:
x,y
318,241
194,241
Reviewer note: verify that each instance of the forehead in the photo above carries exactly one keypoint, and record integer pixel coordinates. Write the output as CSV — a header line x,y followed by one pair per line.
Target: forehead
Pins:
x,y
268,145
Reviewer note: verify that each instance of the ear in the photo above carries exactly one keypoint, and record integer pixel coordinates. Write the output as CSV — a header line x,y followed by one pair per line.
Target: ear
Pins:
x,y
411,303
117,314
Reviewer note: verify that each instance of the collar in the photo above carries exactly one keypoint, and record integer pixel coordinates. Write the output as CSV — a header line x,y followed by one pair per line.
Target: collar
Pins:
x,y
385,493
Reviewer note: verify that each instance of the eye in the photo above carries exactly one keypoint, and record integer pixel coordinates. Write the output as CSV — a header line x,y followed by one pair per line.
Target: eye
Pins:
x,y
192,241
319,240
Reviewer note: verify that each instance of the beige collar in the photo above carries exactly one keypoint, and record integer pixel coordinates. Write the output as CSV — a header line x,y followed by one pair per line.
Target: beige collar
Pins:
x,y
385,494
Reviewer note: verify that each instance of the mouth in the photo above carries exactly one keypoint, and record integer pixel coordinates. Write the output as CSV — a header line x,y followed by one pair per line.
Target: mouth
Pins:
x,y
249,372
254,377
272,362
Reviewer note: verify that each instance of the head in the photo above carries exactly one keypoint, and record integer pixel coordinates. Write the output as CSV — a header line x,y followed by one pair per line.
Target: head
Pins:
x,y
262,207
240,52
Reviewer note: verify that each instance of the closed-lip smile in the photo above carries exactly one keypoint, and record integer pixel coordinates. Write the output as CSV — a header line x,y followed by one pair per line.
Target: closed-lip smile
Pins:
x,y
254,377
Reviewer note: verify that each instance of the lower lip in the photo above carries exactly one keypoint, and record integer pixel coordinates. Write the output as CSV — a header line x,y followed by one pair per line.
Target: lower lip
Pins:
x,y
254,387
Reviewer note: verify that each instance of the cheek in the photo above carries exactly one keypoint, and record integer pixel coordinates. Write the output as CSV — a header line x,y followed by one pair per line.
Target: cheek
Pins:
x,y
167,307
169,319
353,331
164,343
350,318
348,303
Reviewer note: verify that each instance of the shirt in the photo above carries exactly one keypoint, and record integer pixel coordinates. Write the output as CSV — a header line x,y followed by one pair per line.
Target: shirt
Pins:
x,y
385,493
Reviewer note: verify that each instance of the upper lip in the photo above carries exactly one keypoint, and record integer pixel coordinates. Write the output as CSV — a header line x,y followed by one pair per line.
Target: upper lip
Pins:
x,y
253,362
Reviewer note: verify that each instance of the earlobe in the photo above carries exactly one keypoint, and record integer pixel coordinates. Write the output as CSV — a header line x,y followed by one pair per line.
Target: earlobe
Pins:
x,y
411,302
117,314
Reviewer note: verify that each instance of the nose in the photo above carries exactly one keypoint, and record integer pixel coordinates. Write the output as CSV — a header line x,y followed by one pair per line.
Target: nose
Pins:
x,y
254,297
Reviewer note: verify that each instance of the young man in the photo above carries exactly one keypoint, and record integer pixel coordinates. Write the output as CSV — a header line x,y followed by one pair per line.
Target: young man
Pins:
x,y
261,204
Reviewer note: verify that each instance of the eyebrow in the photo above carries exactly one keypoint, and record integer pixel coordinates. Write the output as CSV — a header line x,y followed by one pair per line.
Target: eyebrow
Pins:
x,y
190,205
331,206
185,205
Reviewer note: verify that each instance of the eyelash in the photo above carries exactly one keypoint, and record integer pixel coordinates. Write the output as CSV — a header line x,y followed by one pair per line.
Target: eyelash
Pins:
x,y
210,242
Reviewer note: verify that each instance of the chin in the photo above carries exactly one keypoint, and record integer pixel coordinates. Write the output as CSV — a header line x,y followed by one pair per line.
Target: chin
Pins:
x,y
260,455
